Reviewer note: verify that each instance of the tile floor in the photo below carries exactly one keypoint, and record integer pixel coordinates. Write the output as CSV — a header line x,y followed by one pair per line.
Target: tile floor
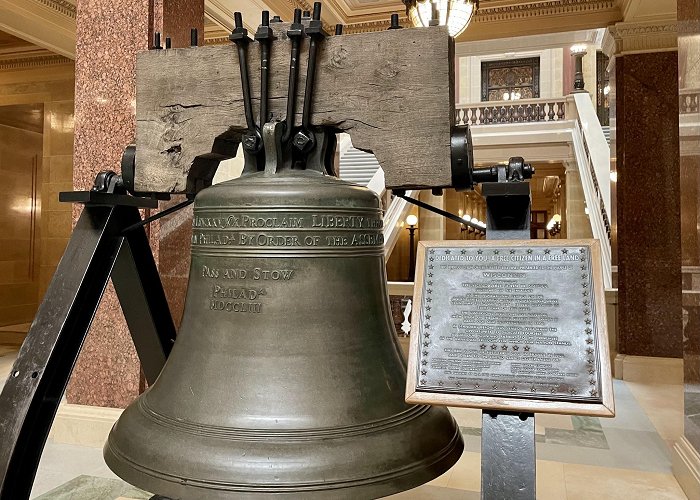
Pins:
x,y
579,458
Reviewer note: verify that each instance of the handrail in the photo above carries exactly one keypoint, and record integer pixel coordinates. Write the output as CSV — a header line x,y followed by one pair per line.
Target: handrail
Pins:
x,y
592,154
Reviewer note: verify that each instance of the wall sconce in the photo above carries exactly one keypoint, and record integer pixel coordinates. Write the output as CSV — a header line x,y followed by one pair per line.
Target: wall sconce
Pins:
x,y
473,225
554,225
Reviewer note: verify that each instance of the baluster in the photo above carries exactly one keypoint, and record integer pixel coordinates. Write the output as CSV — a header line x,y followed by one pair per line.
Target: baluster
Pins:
x,y
460,117
520,113
486,115
560,112
550,115
542,116
528,113
474,119
503,114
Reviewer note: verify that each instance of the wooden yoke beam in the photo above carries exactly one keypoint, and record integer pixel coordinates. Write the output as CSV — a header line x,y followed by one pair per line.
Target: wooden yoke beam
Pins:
x,y
392,91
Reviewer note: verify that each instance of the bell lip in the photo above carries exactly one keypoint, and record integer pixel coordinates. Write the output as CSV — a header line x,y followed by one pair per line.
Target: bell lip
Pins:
x,y
396,481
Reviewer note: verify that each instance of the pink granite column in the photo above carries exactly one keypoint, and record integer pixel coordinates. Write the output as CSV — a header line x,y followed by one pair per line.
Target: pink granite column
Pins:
x,y
109,34
648,204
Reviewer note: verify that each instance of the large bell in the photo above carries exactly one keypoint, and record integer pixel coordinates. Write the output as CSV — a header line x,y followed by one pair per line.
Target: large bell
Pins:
x,y
286,378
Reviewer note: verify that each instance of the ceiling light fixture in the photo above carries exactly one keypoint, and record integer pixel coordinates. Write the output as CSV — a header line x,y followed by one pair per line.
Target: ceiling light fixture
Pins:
x,y
455,14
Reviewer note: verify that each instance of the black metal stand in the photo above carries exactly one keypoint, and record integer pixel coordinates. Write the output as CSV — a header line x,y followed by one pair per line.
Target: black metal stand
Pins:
x,y
99,248
507,439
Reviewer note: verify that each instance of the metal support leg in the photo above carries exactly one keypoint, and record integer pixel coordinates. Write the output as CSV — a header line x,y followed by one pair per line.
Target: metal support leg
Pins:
x,y
508,467
38,379
507,456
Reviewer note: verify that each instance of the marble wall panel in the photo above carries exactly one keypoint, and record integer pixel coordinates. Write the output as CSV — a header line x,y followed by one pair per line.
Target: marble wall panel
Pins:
x,y
648,204
109,34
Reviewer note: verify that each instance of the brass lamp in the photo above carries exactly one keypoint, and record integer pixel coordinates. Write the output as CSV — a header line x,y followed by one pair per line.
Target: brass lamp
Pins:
x,y
455,14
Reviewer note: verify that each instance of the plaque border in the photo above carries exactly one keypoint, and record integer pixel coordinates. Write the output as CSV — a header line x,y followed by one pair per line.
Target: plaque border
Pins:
x,y
604,408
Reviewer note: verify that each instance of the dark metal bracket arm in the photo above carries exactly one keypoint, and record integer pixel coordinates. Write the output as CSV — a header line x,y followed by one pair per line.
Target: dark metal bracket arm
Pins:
x,y
99,249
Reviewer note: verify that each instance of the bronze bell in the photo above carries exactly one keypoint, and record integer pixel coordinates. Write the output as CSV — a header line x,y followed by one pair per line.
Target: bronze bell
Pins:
x,y
287,378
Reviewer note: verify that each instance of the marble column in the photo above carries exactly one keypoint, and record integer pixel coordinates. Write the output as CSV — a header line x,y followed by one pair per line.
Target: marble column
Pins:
x,y
109,34
578,225
647,194
686,457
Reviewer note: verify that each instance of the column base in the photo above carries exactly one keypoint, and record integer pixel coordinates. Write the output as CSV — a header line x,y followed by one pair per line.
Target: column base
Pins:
x,y
686,467
647,369
83,425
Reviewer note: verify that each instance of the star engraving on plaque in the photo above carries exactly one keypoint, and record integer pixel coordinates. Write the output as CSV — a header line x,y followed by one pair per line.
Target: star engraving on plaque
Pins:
x,y
512,251
432,259
496,252
495,386
463,252
526,348
586,302
447,252
572,391
588,320
586,311
430,290
584,276
426,335
430,266
424,362
430,275
582,250
589,341
591,371
427,308
590,361
514,388
432,251
591,381
553,390
547,251
440,382
584,285
482,346
589,351
428,299
480,251
424,372
585,293
588,331
476,386
533,389
427,325
582,258
427,316
494,347
515,347
422,381
458,384
583,267
529,250
430,282
564,250
425,353
426,344
504,348
593,392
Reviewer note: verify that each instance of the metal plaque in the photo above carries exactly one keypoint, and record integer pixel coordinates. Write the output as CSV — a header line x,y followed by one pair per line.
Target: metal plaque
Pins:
x,y
514,321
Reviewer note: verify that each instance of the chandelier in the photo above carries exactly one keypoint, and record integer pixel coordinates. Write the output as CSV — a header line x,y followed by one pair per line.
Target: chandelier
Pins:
x,y
455,14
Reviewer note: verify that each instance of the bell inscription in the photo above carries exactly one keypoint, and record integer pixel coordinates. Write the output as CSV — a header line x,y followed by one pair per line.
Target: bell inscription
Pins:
x,y
518,322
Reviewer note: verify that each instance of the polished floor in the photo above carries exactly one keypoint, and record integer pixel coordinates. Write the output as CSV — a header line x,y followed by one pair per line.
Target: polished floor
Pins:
x,y
579,458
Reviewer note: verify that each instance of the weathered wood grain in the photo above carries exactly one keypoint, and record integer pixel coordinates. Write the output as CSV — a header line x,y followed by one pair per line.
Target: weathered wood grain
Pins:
x,y
392,91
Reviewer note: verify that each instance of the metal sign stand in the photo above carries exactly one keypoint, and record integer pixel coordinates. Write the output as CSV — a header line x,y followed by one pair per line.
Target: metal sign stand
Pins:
x,y
507,439
109,240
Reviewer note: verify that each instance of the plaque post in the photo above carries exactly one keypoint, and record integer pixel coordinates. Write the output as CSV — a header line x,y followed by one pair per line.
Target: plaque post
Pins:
x,y
507,438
